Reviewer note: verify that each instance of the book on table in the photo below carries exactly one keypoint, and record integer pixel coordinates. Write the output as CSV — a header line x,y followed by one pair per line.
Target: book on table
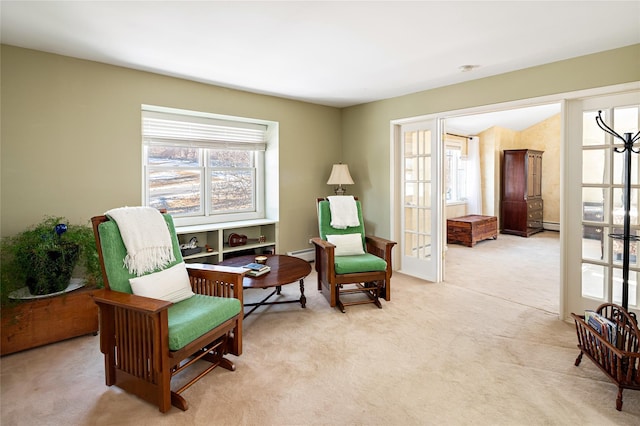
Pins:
x,y
254,273
256,267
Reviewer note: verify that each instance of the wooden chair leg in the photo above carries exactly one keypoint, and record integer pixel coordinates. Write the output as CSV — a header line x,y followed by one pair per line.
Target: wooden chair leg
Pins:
x,y
619,399
339,303
109,369
216,356
165,397
377,303
375,290
178,401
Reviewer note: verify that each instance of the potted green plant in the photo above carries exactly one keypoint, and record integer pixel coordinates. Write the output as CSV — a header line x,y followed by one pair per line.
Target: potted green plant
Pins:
x,y
43,257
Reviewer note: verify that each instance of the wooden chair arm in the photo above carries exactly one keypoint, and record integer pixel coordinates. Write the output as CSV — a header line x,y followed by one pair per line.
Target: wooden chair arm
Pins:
x,y
382,248
141,304
325,256
322,244
379,242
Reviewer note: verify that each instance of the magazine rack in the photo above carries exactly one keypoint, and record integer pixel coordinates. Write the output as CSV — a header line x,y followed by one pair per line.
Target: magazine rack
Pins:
x,y
620,362
615,348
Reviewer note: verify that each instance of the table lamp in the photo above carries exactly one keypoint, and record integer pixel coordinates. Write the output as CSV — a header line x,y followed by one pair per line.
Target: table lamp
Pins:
x,y
340,176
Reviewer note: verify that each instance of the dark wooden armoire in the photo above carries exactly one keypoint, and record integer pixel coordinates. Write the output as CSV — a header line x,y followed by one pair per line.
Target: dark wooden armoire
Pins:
x,y
522,192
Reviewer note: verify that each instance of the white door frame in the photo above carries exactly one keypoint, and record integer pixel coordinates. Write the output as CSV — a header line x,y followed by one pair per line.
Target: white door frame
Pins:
x,y
395,178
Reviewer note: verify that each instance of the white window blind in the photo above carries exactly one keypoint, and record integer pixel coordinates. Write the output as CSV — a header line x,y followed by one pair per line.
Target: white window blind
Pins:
x,y
202,132
204,168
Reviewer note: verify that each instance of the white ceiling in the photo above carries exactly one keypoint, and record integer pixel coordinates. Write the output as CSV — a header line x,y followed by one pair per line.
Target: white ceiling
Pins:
x,y
335,53
515,119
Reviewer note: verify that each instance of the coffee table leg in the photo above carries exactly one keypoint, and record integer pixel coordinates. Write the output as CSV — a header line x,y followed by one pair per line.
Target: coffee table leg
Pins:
x,y
278,289
303,299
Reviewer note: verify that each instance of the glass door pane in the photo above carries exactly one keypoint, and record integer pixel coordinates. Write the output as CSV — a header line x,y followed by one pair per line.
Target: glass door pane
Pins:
x,y
419,199
417,193
603,206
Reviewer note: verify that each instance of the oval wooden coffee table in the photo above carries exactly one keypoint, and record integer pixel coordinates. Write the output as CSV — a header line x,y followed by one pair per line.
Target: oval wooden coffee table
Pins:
x,y
284,270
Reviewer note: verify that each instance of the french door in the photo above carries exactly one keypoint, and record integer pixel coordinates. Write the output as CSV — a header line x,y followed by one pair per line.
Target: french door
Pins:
x,y
419,201
594,203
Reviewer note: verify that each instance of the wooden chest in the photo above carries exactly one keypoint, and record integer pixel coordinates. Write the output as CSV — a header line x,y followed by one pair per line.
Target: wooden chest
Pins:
x,y
468,230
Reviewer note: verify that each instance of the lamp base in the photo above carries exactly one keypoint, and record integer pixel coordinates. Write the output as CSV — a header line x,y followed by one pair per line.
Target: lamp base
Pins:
x,y
339,190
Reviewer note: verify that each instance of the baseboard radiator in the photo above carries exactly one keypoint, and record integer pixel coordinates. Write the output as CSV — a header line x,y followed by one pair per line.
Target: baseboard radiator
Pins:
x,y
305,254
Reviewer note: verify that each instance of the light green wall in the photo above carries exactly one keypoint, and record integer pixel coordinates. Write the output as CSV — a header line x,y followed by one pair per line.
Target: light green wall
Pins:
x,y
366,127
71,143
71,133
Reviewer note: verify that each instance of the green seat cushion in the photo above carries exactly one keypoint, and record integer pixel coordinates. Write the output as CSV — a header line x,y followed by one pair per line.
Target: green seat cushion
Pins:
x,y
114,252
196,315
359,263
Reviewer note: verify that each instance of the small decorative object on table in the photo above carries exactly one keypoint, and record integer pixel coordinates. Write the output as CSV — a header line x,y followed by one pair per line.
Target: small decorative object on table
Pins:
x,y
190,248
262,260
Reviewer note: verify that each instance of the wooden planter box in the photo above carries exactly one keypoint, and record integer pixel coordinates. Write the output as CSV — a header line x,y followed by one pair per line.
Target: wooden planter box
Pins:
x,y
38,322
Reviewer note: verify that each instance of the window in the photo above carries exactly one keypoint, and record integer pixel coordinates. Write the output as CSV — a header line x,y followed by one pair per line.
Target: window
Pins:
x,y
456,174
204,168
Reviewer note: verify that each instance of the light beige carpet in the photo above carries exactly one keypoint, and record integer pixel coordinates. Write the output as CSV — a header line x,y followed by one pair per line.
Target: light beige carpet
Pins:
x,y
484,348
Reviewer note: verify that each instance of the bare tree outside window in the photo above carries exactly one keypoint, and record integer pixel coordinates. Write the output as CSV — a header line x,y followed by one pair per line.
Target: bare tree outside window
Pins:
x,y
232,181
175,179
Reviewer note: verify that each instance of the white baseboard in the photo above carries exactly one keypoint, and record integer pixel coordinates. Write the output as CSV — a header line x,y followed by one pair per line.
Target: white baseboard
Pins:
x,y
551,226
304,254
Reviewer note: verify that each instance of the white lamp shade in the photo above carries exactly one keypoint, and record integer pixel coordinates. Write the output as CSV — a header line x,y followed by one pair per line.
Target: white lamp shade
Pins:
x,y
340,175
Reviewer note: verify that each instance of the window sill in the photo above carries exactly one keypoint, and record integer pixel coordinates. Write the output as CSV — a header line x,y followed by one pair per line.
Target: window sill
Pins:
x,y
188,229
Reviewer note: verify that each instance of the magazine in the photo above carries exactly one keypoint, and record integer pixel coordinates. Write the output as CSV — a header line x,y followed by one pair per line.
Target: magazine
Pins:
x,y
604,326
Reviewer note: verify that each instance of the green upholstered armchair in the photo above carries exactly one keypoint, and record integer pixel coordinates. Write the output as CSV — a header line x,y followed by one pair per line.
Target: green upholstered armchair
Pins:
x,y
338,275
147,341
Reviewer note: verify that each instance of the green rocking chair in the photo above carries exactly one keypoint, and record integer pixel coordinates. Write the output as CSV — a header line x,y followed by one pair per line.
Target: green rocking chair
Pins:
x,y
364,268
147,341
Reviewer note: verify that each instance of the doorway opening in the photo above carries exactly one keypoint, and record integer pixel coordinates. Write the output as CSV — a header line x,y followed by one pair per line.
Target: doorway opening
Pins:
x,y
536,128
483,138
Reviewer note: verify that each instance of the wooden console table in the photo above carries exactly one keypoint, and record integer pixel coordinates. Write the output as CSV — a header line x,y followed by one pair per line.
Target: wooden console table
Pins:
x,y
468,230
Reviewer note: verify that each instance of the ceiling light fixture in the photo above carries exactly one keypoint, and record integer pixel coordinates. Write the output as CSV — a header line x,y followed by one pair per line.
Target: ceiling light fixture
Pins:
x,y
467,68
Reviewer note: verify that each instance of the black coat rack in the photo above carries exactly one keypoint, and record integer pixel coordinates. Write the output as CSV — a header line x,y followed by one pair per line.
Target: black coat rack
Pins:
x,y
629,139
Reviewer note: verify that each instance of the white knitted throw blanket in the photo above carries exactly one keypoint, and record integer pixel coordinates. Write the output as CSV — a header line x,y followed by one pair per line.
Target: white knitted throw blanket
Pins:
x,y
146,236
344,211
